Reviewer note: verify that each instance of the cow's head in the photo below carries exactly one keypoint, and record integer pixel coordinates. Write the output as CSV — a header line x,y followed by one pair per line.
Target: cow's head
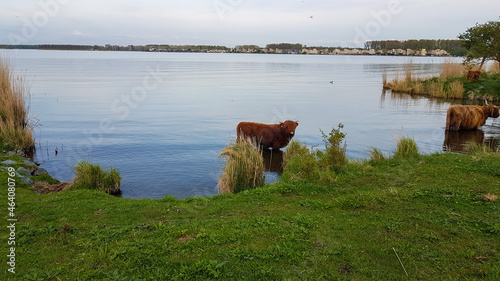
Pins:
x,y
495,112
492,110
288,127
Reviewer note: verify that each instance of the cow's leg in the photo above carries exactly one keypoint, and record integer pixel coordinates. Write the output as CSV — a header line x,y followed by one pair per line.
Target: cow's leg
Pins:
x,y
455,125
276,146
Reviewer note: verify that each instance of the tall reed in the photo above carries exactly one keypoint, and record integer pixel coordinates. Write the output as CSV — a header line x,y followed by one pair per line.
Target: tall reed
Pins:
x,y
408,71
451,69
244,167
15,132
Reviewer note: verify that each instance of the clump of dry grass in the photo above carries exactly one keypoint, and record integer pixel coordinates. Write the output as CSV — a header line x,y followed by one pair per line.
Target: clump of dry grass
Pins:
x,y
398,85
456,90
418,87
408,71
434,87
244,167
451,69
15,131
384,80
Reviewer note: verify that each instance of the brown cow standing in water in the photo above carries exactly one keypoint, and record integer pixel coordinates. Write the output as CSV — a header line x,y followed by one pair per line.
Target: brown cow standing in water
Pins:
x,y
268,135
469,116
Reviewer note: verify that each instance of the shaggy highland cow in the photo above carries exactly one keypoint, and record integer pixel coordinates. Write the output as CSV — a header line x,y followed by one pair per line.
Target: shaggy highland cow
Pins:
x,y
473,75
469,116
268,135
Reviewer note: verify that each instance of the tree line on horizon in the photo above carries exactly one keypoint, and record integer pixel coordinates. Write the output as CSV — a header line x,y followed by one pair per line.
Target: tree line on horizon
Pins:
x,y
109,47
453,46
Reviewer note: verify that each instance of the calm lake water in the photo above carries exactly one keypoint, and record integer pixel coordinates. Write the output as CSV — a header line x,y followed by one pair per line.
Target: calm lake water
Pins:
x,y
162,119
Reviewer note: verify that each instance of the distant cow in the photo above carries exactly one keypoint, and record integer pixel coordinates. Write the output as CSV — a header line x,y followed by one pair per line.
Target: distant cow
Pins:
x,y
473,75
268,135
469,116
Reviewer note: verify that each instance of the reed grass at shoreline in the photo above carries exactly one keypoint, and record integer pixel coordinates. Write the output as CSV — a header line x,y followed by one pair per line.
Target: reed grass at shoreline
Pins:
x,y
451,83
15,130
244,168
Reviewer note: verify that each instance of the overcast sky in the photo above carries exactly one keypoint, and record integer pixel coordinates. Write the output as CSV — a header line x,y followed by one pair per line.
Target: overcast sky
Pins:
x,y
237,22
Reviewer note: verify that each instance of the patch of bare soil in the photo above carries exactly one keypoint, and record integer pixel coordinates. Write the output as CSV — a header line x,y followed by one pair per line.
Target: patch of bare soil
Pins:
x,y
46,188
489,197
186,238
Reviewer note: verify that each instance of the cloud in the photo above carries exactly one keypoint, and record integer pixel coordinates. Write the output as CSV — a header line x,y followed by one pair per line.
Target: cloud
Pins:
x,y
234,22
79,33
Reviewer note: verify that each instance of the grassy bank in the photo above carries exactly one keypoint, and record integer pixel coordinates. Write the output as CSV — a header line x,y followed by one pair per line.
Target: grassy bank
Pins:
x,y
451,83
433,211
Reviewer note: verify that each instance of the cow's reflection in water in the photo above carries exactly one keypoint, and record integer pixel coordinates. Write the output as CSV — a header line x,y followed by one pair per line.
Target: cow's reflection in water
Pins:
x,y
456,141
273,164
273,160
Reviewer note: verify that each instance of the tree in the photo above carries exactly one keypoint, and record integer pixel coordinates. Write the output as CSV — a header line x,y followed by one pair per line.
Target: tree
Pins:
x,y
482,42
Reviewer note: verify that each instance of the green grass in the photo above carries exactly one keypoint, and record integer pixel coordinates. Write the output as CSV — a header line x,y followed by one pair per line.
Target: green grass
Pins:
x,y
90,176
406,147
430,210
476,148
488,86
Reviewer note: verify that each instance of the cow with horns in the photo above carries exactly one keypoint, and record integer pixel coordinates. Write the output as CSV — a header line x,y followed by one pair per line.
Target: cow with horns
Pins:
x,y
469,116
268,135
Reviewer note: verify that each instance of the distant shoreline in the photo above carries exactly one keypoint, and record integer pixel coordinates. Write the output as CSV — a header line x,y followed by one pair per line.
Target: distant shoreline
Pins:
x,y
247,49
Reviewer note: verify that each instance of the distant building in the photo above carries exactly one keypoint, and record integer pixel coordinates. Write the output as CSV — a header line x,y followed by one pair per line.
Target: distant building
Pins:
x,y
439,53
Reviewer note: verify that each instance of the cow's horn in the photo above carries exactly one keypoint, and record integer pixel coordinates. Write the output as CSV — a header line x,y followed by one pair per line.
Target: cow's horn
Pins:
x,y
486,101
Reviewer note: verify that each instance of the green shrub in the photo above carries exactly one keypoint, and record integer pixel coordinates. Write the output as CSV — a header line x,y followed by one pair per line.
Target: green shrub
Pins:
x,y
406,148
89,176
334,156
244,167
293,148
300,164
